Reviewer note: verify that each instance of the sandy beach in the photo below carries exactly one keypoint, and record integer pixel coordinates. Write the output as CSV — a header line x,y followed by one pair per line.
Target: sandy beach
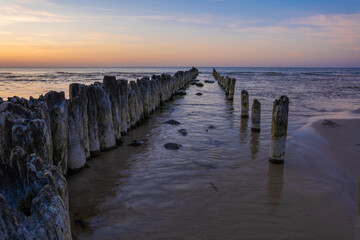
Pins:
x,y
342,143
332,145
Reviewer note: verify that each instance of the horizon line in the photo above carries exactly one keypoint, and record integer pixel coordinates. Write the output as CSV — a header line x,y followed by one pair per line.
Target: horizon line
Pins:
x,y
177,67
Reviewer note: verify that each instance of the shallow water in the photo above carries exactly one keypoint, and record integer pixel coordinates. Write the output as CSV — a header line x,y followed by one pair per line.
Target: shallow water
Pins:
x,y
219,184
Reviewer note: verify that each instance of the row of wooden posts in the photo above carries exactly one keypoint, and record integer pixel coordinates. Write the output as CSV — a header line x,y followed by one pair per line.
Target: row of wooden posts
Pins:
x,y
279,116
67,132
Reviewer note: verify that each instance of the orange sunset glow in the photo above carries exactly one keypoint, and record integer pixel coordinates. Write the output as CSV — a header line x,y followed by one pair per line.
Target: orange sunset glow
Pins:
x,y
56,34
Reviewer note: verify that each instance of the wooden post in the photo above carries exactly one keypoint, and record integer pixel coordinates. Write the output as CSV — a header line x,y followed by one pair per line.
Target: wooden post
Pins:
x,y
255,116
244,104
279,130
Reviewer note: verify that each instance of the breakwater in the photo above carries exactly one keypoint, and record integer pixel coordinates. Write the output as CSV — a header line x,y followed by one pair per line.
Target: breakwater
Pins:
x,y
43,139
279,116
227,83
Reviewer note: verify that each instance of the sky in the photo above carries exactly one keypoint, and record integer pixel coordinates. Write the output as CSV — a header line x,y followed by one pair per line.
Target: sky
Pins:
x,y
174,33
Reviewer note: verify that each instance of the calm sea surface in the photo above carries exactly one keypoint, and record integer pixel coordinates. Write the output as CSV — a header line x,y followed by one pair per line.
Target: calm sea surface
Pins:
x,y
219,185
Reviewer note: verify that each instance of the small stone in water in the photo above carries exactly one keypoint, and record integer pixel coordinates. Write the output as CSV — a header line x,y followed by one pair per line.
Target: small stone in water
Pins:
x,y
183,132
200,84
172,146
136,143
199,94
209,81
180,92
173,122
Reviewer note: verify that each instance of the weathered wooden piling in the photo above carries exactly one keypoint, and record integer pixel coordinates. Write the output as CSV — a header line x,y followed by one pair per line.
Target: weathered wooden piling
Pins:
x,y
112,88
57,105
231,88
279,129
155,100
255,116
144,85
123,83
244,104
79,91
76,154
32,195
132,104
227,83
94,143
106,131
25,124
77,118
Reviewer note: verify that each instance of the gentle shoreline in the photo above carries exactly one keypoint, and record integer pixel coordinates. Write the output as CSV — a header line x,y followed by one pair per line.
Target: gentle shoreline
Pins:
x,y
331,145
337,136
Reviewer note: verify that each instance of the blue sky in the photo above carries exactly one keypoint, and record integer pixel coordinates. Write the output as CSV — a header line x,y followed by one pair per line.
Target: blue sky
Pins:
x,y
180,33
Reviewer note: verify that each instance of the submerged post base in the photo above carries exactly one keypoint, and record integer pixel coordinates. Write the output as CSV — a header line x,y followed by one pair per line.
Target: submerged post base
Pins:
x,y
276,161
255,129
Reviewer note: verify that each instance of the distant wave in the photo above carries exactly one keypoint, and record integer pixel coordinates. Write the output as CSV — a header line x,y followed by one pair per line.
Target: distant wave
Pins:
x,y
334,74
12,76
274,74
69,73
312,74
234,73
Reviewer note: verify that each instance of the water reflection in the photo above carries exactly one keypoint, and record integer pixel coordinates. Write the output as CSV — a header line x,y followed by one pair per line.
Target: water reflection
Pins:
x,y
254,143
357,223
243,129
275,186
359,197
230,106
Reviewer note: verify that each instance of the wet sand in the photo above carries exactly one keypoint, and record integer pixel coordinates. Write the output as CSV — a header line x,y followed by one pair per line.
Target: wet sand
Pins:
x,y
342,144
220,185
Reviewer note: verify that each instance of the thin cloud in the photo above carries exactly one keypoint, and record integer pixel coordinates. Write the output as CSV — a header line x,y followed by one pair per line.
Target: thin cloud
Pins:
x,y
15,14
333,29
179,19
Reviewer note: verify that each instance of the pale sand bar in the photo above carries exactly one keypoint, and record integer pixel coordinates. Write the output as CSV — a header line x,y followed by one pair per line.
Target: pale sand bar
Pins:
x,y
342,143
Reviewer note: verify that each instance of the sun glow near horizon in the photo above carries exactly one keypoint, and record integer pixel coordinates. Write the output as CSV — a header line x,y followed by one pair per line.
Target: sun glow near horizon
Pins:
x,y
46,33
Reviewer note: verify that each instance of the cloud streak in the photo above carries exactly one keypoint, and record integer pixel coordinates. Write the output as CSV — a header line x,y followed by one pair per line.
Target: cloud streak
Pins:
x,y
18,14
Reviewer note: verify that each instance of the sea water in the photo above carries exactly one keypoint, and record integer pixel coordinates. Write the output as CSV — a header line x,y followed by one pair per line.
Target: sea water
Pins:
x,y
219,184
